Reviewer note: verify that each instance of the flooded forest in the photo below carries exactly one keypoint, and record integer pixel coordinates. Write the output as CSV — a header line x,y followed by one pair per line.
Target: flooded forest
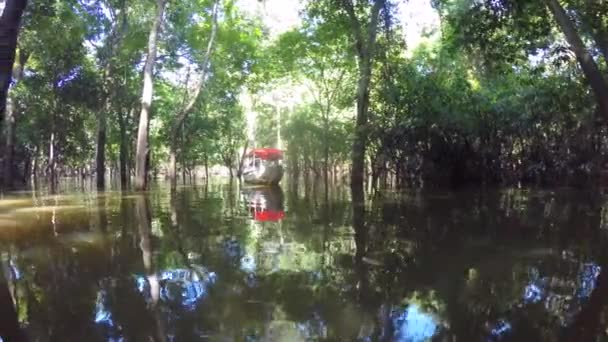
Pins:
x,y
303,170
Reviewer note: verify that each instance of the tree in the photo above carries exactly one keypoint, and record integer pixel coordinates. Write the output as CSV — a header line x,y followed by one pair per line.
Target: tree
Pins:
x,y
191,98
365,43
590,69
143,152
9,30
487,25
318,56
107,55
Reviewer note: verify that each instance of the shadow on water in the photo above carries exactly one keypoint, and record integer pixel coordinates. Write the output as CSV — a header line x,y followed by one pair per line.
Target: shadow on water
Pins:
x,y
219,262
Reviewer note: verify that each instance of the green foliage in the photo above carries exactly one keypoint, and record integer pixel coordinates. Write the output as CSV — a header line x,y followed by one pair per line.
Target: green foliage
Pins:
x,y
94,65
497,97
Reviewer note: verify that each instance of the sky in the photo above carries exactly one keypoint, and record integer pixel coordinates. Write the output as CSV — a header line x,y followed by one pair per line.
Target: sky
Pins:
x,y
282,15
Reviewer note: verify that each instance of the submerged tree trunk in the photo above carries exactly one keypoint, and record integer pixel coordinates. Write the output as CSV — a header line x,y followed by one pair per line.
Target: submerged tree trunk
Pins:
x,y
9,30
365,49
141,165
590,69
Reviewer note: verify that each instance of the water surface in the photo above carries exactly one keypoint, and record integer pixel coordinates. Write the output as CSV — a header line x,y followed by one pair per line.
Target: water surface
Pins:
x,y
224,263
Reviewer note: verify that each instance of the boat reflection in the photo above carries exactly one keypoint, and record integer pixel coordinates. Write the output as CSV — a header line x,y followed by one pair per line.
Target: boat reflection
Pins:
x,y
265,204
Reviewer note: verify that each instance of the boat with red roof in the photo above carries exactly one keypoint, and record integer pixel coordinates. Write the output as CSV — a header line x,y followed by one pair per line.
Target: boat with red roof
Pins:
x,y
263,166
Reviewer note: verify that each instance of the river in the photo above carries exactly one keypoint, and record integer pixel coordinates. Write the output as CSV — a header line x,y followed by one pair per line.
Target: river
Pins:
x,y
226,263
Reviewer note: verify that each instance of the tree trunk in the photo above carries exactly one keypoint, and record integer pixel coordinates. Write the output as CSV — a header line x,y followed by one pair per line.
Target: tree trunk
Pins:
x,y
52,175
9,30
34,171
183,170
365,49
141,169
123,151
239,172
100,157
590,68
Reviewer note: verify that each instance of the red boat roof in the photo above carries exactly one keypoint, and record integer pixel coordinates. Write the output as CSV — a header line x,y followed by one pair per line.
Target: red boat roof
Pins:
x,y
266,153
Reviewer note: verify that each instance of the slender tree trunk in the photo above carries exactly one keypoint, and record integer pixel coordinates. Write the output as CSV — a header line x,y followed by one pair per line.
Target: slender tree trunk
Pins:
x,y
141,169
34,171
295,172
365,52
52,163
173,167
27,163
239,172
100,157
326,155
123,152
206,167
586,61
9,30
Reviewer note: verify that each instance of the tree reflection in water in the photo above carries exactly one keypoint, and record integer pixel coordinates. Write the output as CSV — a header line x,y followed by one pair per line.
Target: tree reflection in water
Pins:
x,y
506,265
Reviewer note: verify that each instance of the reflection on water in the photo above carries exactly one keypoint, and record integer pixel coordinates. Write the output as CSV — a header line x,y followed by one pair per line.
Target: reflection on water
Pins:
x,y
264,203
257,264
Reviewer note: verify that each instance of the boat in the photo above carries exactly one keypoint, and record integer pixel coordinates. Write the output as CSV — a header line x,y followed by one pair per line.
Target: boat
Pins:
x,y
263,166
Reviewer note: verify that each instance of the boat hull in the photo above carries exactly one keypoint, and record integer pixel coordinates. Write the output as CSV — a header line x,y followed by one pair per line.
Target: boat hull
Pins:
x,y
267,175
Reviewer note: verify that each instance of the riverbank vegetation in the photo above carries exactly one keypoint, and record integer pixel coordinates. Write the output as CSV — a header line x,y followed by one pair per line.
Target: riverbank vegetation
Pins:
x,y
498,91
